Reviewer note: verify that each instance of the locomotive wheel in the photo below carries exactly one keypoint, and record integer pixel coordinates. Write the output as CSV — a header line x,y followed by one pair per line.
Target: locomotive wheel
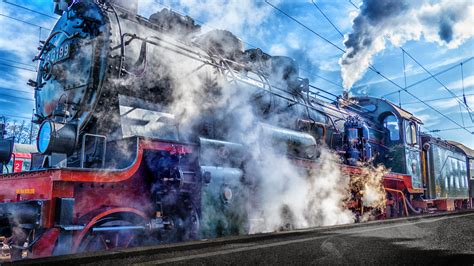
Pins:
x,y
191,230
112,239
17,253
185,227
109,240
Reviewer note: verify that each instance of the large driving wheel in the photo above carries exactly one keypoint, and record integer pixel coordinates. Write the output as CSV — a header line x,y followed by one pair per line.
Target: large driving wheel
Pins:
x,y
114,232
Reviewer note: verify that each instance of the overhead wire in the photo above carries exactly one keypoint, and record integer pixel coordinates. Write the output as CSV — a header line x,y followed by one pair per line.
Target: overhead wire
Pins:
x,y
405,79
330,22
434,100
306,27
462,117
25,22
442,84
353,4
428,78
17,67
17,97
16,62
427,130
403,54
328,80
16,116
16,90
29,9
375,70
449,129
249,44
462,80
200,21
371,67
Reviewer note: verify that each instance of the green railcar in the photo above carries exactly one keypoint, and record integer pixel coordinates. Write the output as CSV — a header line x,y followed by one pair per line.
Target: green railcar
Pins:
x,y
447,170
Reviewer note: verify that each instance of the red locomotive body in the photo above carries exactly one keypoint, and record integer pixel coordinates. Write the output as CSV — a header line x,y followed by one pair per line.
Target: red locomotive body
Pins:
x,y
68,204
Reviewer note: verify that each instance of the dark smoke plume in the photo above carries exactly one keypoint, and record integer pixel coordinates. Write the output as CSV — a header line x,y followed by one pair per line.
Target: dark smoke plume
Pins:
x,y
448,23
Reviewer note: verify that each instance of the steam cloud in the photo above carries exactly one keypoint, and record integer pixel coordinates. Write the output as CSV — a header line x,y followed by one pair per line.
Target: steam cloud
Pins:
x,y
240,17
447,23
286,196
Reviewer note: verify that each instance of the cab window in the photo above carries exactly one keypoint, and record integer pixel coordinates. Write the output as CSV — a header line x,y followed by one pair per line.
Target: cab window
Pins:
x,y
411,135
391,124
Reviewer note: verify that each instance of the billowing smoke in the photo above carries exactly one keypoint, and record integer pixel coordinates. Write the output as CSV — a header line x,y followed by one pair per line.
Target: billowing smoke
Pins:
x,y
240,17
206,102
290,198
448,23
285,196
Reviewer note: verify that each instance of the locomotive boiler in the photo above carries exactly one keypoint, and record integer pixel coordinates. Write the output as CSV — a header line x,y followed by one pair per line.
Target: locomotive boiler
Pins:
x,y
152,132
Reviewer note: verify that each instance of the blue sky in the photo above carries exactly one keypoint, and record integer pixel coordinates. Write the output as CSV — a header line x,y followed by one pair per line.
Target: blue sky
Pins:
x,y
257,24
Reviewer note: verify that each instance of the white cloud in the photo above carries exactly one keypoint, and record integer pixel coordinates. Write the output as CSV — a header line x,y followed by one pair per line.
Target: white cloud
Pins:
x,y
243,18
447,23
293,41
278,49
457,85
450,103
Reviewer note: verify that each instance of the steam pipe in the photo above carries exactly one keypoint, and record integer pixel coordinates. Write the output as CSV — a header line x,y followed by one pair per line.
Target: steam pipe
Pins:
x,y
201,56
403,197
118,228
122,46
412,208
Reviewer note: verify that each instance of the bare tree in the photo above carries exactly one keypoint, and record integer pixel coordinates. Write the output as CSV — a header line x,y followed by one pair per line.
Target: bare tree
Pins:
x,y
24,131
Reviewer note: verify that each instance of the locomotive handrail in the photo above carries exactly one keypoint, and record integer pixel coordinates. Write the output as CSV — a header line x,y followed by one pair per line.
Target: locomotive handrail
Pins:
x,y
122,46
216,65
83,146
68,36
79,174
201,56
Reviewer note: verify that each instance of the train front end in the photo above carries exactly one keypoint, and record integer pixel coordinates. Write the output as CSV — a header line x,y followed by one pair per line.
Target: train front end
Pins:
x,y
71,73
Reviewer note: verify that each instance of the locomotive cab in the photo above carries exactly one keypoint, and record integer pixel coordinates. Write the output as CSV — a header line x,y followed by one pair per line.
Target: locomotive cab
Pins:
x,y
397,138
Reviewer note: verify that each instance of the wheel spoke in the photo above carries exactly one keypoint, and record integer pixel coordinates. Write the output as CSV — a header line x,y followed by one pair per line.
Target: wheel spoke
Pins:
x,y
129,240
109,240
104,242
116,240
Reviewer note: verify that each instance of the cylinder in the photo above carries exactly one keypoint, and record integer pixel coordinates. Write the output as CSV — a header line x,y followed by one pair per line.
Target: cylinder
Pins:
x,y
295,143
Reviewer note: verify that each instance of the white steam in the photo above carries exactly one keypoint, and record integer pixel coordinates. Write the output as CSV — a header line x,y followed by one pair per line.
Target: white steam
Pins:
x,y
284,194
291,198
448,23
240,17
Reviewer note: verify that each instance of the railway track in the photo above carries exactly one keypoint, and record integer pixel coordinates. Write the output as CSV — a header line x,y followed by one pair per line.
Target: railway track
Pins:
x,y
333,240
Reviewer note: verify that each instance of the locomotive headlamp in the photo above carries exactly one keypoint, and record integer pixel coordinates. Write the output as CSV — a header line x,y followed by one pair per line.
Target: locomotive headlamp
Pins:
x,y
56,137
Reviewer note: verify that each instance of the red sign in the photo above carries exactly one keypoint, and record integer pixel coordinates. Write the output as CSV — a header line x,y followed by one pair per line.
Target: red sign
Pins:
x,y
18,166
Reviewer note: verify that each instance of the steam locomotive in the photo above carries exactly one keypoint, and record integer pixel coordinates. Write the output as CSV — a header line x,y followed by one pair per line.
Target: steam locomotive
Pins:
x,y
144,136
